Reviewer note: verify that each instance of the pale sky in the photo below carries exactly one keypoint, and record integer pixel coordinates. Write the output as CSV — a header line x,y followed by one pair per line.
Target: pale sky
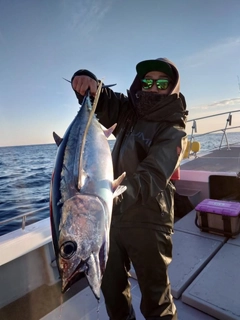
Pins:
x,y
43,41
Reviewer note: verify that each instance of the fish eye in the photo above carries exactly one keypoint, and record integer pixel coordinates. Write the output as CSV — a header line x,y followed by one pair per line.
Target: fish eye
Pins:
x,y
68,249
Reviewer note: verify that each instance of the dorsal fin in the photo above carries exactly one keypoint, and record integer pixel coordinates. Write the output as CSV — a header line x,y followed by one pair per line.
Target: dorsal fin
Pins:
x,y
57,139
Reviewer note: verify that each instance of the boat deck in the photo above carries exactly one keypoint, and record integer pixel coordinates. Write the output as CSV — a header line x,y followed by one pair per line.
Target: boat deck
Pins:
x,y
204,273
221,160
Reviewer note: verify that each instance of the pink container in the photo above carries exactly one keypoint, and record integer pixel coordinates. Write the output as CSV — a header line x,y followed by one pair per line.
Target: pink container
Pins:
x,y
219,217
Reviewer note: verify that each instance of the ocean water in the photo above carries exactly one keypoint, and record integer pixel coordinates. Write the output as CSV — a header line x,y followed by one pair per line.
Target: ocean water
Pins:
x,y
212,141
25,175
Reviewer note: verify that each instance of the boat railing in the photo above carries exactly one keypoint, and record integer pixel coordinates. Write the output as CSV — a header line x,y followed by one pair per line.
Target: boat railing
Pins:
x,y
228,126
23,216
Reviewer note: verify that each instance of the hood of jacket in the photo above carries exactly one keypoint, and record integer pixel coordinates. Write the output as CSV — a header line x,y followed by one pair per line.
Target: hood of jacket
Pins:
x,y
170,108
137,86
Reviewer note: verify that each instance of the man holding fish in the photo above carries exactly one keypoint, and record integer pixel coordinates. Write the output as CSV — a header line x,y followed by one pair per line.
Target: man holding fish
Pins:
x,y
150,140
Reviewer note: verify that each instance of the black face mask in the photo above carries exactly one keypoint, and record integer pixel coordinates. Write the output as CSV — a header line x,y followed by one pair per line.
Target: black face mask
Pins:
x,y
147,101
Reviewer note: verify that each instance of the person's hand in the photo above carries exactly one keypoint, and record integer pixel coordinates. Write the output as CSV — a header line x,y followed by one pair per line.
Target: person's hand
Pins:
x,y
82,83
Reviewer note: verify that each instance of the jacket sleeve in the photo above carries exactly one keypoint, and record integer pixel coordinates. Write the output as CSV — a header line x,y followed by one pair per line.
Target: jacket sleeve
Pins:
x,y
111,105
152,176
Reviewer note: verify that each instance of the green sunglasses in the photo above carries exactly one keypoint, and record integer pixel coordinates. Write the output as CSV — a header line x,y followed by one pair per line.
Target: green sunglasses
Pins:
x,y
162,84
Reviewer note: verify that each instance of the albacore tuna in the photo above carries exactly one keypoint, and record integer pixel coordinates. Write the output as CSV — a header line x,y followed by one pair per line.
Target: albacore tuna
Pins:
x,y
81,197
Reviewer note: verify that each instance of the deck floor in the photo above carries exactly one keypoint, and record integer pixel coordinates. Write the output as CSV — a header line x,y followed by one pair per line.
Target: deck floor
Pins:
x,y
223,160
194,272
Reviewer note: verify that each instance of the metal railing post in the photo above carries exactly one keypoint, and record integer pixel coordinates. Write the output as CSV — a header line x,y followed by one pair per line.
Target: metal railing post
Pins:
x,y
23,216
194,129
23,222
224,130
228,122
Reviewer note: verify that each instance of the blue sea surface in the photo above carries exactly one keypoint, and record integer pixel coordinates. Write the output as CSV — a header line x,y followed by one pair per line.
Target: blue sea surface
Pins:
x,y
25,175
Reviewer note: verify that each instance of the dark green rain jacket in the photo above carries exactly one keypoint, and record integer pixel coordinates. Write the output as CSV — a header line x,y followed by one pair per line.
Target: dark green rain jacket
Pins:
x,y
148,149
